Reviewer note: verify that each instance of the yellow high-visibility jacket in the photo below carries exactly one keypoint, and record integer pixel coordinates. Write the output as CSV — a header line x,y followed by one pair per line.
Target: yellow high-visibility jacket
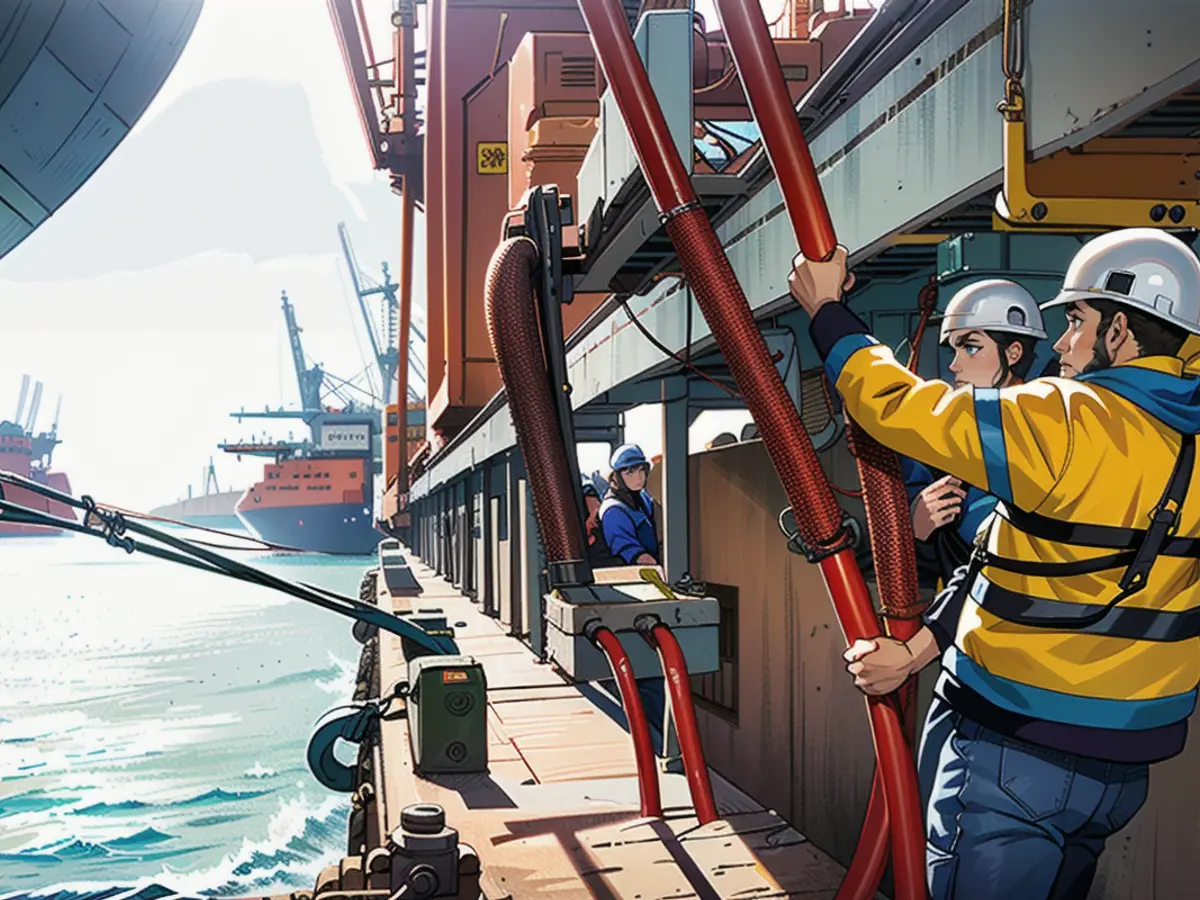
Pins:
x,y
1096,450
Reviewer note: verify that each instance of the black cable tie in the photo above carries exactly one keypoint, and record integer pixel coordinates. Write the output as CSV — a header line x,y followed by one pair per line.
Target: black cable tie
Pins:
x,y
847,538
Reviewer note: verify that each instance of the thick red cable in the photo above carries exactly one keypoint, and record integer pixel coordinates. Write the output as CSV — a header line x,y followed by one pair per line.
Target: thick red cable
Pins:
x,y
679,685
635,714
886,503
724,306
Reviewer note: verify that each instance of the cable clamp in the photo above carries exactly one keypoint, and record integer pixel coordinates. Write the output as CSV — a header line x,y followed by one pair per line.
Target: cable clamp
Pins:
x,y
664,218
848,537
108,523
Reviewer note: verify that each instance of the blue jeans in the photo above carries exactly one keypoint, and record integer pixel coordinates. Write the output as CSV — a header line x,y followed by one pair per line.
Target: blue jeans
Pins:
x,y
1005,818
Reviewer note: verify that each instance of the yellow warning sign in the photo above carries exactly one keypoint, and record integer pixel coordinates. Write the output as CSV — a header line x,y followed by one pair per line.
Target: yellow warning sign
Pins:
x,y
450,677
491,159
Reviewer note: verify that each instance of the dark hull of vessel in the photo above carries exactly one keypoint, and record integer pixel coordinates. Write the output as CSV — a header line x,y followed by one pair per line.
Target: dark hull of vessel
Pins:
x,y
340,528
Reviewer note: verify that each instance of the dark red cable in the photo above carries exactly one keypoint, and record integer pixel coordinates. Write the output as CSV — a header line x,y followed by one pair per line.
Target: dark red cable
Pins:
x,y
724,306
884,497
675,670
517,344
635,714
753,52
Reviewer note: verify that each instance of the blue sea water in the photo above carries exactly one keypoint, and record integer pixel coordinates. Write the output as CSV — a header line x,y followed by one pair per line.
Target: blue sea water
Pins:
x,y
153,724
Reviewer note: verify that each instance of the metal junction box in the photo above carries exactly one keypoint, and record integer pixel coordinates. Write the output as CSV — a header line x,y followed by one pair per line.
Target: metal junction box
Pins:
x,y
693,620
447,714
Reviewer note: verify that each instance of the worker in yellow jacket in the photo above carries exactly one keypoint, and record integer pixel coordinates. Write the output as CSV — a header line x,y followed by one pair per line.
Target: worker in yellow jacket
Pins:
x,y
1069,647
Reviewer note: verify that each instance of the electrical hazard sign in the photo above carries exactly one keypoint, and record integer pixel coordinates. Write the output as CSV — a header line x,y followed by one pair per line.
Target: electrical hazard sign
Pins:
x,y
491,159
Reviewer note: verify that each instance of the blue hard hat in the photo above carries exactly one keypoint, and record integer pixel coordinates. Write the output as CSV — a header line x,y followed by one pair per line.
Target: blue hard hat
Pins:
x,y
626,456
589,486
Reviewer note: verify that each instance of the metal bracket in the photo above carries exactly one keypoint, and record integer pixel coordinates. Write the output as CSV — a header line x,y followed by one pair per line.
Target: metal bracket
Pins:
x,y
545,214
848,539
1017,206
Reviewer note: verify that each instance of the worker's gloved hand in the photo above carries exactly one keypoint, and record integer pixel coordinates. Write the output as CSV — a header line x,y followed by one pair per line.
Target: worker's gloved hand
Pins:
x,y
814,283
937,505
880,665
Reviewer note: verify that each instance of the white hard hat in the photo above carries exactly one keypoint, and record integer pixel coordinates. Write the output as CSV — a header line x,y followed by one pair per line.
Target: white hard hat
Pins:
x,y
993,305
1143,268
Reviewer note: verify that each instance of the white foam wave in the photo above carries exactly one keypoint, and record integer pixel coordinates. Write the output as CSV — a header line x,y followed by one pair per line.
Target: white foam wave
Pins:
x,y
302,838
259,771
341,684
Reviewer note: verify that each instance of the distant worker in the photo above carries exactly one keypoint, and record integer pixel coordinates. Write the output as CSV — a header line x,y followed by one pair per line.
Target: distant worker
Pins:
x,y
627,513
1069,646
993,327
599,556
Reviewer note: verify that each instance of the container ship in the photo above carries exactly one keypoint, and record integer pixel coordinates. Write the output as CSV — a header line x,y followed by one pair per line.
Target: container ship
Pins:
x,y
212,509
25,453
316,495
320,494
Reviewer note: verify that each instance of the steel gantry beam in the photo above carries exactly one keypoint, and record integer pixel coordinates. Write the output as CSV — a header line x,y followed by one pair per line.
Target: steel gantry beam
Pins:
x,y
918,142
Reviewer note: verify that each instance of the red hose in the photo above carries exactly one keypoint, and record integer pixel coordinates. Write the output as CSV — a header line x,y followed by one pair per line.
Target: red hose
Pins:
x,y
635,714
517,344
675,669
753,51
926,303
729,317
884,497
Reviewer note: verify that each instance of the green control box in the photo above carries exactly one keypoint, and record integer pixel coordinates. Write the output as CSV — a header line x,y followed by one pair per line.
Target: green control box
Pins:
x,y
447,714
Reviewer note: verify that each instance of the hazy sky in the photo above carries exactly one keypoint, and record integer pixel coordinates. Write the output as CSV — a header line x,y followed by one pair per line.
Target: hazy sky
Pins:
x,y
150,363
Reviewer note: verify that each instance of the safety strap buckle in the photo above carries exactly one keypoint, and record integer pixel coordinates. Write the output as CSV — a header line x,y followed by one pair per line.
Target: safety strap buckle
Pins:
x,y
848,537
1163,520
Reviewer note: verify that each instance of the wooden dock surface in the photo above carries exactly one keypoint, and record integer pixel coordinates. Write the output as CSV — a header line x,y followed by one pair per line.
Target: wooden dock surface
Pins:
x,y
556,815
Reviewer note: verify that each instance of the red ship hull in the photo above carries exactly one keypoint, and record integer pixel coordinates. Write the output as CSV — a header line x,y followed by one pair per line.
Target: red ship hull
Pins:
x,y
31,500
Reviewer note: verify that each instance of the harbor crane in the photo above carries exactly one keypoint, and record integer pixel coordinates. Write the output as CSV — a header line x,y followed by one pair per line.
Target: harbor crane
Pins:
x,y
385,340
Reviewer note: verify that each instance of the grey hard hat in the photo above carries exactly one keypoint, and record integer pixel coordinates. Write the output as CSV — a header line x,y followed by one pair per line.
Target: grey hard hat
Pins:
x,y
993,305
1143,268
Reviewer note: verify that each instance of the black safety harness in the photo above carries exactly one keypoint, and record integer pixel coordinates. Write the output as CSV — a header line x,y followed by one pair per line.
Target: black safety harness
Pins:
x,y
1136,550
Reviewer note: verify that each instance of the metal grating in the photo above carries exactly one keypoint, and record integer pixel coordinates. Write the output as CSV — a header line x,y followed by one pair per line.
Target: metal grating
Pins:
x,y
1179,117
898,263
578,72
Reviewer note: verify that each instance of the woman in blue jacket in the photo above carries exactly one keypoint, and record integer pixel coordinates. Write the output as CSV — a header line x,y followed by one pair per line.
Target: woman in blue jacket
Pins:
x,y
993,327
627,520
627,513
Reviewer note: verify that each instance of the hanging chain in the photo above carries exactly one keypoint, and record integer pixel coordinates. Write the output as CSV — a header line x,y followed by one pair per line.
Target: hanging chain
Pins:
x,y
1012,107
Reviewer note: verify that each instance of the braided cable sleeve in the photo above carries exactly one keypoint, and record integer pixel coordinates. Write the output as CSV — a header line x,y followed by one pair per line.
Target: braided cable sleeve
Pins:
x,y
712,280
517,345
889,523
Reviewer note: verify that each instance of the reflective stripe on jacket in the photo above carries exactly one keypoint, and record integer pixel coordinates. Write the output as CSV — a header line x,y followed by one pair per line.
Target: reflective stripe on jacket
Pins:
x,y
1095,450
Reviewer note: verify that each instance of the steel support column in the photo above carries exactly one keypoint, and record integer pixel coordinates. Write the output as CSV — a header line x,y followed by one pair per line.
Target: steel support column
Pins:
x,y
510,615
532,564
675,477
487,575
